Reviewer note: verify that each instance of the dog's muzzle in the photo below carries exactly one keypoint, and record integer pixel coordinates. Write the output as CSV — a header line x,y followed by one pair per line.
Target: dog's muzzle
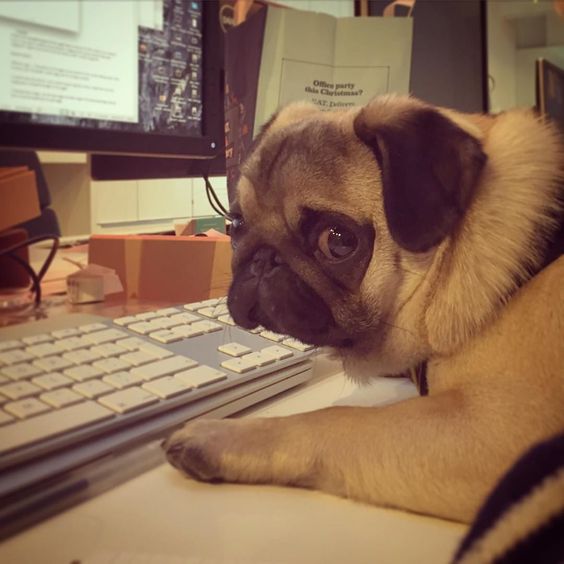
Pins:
x,y
266,291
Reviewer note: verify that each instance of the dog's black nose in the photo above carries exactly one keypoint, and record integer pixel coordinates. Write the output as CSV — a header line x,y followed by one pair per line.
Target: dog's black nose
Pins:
x,y
265,260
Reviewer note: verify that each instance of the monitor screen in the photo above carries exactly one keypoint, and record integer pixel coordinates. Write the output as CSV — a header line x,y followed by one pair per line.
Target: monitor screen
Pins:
x,y
121,77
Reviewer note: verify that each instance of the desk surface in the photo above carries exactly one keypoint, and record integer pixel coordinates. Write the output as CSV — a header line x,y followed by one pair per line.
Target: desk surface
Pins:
x,y
161,517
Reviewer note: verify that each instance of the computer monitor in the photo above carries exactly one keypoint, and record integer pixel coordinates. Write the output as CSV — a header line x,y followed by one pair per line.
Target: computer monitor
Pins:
x,y
130,78
550,91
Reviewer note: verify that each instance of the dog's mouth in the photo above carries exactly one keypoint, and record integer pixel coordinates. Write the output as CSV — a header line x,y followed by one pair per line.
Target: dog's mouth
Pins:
x,y
317,333
278,300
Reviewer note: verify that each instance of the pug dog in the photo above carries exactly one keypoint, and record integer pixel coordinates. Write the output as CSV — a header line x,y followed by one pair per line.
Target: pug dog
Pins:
x,y
406,238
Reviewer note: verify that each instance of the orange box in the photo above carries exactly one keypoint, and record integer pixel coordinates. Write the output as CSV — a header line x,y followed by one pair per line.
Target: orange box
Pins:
x,y
18,194
175,269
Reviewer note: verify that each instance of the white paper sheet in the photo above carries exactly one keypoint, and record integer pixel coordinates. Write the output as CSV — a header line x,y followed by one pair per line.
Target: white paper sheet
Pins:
x,y
89,74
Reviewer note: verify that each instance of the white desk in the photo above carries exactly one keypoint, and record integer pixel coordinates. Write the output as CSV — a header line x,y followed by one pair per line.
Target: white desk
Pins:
x,y
161,517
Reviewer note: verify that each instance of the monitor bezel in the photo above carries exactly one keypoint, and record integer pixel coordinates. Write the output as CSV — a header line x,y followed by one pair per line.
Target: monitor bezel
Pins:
x,y
75,139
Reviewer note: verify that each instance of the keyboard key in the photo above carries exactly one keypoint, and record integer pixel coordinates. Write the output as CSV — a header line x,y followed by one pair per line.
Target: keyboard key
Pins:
x,y
167,311
277,352
108,350
214,311
271,336
165,336
155,350
14,356
298,345
209,312
167,387
19,371
198,305
106,336
43,349
187,331
83,372
164,367
121,380
239,365
5,418
4,379
9,345
259,358
19,390
184,318
64,333
91,327
37,339
165,322
131,343
207,326
125,321
143,327
201,376
83,356
52,363
227,319
137,358
51,424
93,388
72,343
128,400
109,365
146,316
61,397
234,349
25,408
52,381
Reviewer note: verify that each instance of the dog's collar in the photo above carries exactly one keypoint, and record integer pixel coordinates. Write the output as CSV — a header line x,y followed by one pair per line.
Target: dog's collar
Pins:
x,y
418,375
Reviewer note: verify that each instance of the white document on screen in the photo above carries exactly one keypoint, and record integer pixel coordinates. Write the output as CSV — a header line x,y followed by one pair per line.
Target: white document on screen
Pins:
x,y
84,67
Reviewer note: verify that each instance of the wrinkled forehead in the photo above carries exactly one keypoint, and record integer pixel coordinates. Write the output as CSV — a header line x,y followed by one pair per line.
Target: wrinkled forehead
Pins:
x,y
315,163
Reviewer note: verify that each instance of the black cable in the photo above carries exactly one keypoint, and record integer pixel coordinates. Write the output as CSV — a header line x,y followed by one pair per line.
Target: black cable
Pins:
x,y
213,200
36,283
36,278
32,241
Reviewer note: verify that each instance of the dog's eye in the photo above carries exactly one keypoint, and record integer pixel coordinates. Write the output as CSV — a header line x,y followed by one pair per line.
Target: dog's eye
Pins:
x,y
337,243
236,228
237,223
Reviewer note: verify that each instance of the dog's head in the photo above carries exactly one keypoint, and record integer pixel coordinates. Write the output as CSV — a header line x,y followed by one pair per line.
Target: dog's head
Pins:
x,y
337,219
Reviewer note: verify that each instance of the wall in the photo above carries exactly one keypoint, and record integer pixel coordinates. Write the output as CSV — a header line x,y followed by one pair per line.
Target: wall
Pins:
x,y
520,32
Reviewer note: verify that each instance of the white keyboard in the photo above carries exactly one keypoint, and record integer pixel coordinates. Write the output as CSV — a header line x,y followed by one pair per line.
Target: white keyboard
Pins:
x,y
75,388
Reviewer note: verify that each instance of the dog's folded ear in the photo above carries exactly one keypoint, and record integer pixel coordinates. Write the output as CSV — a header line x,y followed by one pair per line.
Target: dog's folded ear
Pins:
x,y
429,165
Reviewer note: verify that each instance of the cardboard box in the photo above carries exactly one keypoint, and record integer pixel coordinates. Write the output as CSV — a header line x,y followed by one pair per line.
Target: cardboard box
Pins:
x,y
18,194
166,268
201,225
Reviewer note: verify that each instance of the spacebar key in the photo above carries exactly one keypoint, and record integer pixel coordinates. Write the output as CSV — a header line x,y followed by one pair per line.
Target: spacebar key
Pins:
x,y
48,425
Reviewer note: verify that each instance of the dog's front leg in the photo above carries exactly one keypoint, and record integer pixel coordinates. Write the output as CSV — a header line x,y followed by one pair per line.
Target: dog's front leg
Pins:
x,y
425,454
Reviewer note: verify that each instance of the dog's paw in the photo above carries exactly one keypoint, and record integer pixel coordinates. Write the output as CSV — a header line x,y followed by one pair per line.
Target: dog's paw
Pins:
x,y
196,449
217,450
